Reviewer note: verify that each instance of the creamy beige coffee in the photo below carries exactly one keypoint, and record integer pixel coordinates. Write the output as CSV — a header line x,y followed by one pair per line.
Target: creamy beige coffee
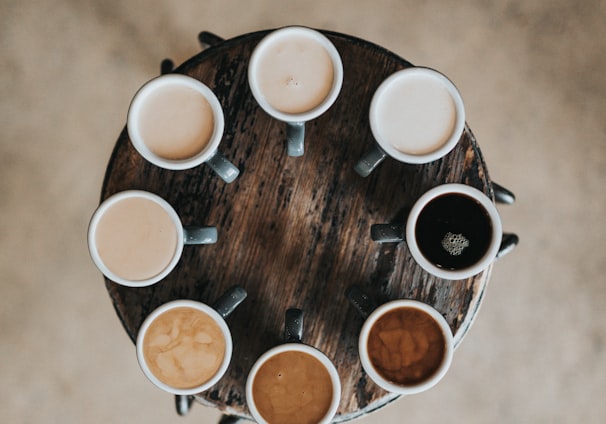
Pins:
x,y
416,115
292,387
136,238
176,121
406,346
295,73
184,347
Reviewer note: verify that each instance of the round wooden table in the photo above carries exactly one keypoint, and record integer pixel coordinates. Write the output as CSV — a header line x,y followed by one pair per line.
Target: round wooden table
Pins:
x,y
295,232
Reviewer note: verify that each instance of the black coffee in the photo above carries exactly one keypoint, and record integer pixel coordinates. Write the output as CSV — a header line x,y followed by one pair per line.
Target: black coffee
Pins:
x,y
453,231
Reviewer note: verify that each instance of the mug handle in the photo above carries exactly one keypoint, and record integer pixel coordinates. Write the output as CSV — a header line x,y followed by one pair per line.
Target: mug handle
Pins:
x,y
363,303
293,326
229,301
295,136
395,233
199,235
370,161
222,167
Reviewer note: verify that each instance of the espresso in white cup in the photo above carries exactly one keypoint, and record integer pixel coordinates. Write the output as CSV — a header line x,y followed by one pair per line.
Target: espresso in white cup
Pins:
x,y
453,231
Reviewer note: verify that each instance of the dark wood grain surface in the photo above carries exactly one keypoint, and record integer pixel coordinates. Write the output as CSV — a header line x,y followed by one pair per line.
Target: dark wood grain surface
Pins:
x,y
295,232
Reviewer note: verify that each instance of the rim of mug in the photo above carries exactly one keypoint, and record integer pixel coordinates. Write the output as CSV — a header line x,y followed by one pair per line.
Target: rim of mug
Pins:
x,y
185,303
337,77
295,347
134,131
496,225
374,374
448,145
94,222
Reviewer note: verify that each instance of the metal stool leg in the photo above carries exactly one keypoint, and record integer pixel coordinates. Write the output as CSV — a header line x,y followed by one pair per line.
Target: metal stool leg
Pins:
x,y
166,67
208,39
183,404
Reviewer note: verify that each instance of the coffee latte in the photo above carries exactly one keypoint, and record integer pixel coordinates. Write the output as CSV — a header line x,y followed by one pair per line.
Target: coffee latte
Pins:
x,y
136,238
293,387
184,347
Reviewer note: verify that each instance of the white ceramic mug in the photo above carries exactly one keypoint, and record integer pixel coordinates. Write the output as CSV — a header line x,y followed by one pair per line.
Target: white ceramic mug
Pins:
x,y
295,74
282,364
136,238
466,231
416,116
412,332
176,122
184,347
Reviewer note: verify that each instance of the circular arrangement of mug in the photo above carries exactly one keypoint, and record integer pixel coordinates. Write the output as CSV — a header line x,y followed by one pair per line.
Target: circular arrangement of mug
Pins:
x,y
136,238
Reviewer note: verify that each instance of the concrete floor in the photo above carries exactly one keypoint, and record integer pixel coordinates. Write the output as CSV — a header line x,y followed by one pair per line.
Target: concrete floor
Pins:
x,y
531,74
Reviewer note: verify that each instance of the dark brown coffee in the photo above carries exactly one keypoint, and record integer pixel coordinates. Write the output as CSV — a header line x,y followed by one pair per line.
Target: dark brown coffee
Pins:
x,y
406,346
453,231
294,388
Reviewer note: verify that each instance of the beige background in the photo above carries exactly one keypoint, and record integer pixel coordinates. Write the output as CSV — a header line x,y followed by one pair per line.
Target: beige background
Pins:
x,y
531,73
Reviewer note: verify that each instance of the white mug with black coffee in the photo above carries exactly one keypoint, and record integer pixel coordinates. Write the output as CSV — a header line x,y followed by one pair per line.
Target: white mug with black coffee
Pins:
x,y
293,382
184,346
416,116
176,122
405,346
453,231
136,238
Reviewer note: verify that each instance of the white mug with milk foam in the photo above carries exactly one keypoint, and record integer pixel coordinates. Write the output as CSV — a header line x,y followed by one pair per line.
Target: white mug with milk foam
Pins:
x,y
176,122
416,116
295,74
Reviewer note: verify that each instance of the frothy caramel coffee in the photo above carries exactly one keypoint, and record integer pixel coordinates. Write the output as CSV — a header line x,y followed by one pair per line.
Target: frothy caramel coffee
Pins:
x,y
292,387
184,347
406,346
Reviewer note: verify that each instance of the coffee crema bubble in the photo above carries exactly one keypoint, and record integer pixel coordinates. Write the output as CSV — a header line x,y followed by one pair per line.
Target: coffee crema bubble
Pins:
x,y
406,346
184,347
453,231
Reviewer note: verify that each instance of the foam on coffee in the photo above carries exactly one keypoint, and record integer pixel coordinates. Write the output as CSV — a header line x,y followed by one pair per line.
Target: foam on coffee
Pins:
x,y
184,347
415,114
136,238
295,73
406,346
292,387
176,121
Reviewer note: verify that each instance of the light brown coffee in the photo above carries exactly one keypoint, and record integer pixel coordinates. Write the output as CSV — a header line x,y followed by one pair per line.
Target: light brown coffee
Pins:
x,y
292,387
184,347
136,238
176,122
406,346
